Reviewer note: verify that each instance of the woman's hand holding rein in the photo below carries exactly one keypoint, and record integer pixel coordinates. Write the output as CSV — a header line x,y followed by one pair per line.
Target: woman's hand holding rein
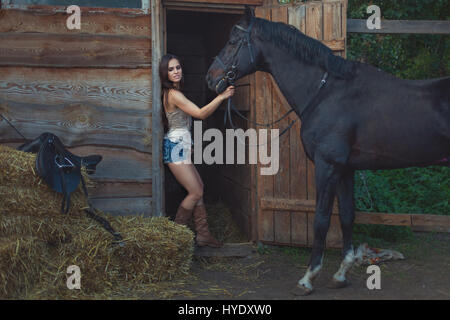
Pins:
x,y
229,92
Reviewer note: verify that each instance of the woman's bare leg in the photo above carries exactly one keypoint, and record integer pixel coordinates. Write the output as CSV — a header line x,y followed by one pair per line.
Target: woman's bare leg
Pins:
x,y
187,175
199,202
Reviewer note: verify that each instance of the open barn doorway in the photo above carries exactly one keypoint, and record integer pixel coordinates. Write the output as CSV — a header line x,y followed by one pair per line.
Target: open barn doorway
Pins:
x,y
197,37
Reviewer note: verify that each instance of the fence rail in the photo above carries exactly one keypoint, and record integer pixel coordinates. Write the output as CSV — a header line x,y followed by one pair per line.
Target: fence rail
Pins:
x,y
401,26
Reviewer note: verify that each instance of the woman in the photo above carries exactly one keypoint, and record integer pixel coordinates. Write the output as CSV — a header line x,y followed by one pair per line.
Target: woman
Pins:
x,y
177,114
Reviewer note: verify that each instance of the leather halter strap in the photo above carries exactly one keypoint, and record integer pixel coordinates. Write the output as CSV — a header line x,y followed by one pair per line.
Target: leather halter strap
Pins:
x,y
231,73
231,107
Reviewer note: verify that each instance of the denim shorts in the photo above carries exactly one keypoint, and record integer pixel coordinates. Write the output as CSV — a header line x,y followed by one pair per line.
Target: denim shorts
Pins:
x,y
175,151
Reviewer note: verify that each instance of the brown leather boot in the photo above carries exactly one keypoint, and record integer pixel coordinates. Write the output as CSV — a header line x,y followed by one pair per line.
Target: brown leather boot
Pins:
x,y
183,215
204,237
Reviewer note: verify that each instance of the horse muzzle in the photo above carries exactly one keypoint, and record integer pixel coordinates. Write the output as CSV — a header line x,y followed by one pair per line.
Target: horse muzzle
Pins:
x,y
221,85
227,80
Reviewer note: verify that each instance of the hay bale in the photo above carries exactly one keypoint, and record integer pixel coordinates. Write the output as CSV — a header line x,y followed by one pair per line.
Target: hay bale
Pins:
x,y
155,249
21,263
40,201
18,168
43,243
91,249
52,230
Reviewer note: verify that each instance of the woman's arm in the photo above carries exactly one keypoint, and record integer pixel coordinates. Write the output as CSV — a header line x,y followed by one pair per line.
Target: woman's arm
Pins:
x,y
178,99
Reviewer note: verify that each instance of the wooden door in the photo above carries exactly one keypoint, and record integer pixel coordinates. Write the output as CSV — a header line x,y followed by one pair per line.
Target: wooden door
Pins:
x,y
284,206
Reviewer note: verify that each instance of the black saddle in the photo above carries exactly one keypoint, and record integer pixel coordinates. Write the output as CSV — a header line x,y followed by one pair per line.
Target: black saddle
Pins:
x,y
61,170
58,167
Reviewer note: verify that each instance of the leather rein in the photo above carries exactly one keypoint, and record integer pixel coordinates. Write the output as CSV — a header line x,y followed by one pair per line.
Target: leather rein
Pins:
x,y
230,77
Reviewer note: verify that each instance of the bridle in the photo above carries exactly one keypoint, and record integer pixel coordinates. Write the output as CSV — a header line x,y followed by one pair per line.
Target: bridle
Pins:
x,y
230,74
230,77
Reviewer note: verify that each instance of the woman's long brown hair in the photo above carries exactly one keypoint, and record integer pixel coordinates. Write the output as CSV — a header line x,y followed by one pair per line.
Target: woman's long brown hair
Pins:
x,y
166,84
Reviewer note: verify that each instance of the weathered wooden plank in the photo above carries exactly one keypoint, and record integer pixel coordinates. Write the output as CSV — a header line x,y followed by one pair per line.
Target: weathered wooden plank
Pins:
x,y
299,228
51,9
263,103
282,227
332,27
284,204
297,17
123,206
108,22
204,7
77,124
226,2
314,18
238,250
77,50
128,89
158,180
105,189
302,205
119,164
425,222
120,169
333,35
335,44
383,218
401,26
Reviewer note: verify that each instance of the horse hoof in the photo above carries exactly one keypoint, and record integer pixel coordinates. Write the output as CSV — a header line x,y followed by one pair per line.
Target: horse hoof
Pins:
x,y
335,284
300,290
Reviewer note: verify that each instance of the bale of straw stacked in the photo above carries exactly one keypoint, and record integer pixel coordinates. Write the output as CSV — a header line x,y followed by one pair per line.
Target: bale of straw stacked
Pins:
x,y
21,261
41,242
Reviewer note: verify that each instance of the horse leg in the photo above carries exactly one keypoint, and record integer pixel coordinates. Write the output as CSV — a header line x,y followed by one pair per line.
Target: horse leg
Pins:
x,y
344,192
327,176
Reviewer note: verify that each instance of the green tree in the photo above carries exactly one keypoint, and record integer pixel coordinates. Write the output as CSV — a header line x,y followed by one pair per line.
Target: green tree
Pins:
x,y
408,56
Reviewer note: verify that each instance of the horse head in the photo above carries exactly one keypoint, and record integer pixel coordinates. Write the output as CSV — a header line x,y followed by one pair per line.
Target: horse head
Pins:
x,y
237,59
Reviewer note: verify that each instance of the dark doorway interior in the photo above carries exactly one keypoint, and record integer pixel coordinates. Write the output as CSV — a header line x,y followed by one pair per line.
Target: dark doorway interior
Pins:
x,y
196,37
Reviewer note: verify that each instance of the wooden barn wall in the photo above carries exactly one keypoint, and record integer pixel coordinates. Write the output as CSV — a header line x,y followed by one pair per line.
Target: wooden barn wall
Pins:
x,y
294,182
91,87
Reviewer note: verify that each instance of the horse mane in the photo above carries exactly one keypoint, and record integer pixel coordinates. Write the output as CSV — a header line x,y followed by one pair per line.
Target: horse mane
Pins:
x,y
303,47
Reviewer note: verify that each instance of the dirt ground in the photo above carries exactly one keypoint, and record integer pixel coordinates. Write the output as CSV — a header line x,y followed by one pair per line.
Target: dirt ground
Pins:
x,y
271,273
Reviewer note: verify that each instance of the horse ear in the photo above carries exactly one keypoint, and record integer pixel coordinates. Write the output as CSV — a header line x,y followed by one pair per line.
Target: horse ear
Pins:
x,y
249,13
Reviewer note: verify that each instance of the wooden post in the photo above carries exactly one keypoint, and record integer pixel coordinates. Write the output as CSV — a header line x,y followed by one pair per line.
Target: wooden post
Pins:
x,y
158,209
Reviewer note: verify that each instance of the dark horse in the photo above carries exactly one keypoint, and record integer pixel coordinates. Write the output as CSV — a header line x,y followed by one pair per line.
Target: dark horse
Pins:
x,y
354,117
